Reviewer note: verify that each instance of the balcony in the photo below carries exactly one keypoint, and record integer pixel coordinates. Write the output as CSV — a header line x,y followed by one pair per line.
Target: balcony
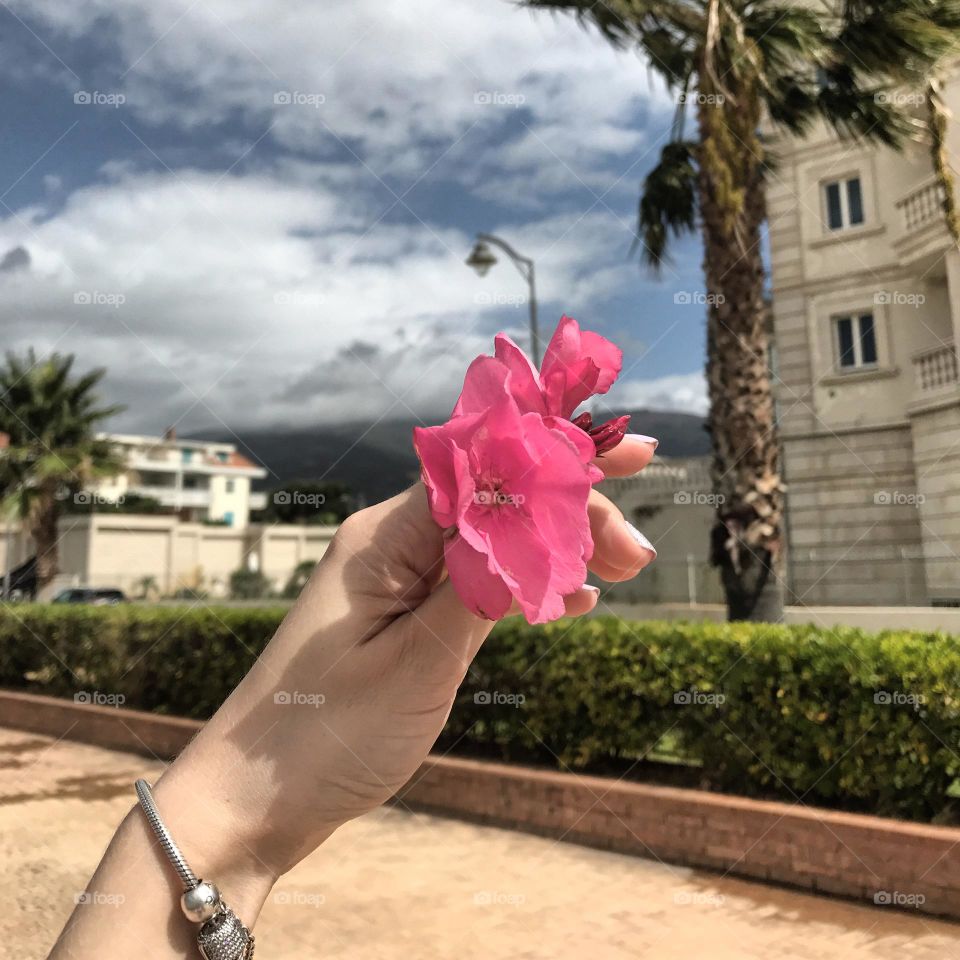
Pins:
x,y
934,372
173,497
923,236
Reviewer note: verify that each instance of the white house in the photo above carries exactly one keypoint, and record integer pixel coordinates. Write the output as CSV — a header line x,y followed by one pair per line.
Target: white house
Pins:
x,y
200,479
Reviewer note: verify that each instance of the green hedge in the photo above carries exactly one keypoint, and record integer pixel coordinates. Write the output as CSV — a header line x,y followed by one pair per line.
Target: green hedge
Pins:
x,y
835,717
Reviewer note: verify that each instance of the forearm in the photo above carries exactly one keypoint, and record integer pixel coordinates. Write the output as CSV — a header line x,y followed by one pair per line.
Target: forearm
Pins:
x,y
133,903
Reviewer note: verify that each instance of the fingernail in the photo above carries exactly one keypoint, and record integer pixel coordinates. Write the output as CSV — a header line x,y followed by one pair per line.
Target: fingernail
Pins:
x,y
641,539
591,587
640,438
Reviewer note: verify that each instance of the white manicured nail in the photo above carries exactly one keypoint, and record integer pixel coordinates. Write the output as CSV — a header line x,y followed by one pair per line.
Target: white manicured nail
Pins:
x,y
640,438
640,538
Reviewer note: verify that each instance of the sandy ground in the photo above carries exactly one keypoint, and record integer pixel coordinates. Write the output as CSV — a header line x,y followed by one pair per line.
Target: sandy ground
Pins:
x,y
399,885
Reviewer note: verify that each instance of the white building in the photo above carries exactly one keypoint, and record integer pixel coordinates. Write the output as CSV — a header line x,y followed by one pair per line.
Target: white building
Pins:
x,y
199,479
866,316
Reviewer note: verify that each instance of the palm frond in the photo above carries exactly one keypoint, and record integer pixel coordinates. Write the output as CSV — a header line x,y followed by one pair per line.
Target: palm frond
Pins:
x,y
668,206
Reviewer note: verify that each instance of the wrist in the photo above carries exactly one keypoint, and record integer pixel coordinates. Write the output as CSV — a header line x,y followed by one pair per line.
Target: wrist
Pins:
x,y
213,837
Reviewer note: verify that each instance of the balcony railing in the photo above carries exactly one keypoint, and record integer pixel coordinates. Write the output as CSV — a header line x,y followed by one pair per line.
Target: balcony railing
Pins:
x,y
173,497
922,206
935,369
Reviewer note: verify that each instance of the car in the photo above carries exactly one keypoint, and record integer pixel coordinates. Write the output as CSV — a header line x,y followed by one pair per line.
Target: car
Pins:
x,y
98,596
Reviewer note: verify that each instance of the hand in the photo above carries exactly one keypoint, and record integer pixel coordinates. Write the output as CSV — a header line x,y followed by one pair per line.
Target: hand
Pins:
x,y
335,716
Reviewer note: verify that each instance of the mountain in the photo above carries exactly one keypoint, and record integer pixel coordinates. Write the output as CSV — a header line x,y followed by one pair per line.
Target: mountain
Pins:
x,y
376,460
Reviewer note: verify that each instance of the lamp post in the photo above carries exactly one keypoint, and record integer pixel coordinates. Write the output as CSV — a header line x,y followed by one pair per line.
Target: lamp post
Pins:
x,y
482,258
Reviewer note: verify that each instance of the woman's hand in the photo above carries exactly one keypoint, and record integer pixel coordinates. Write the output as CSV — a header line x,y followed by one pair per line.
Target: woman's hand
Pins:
x,y
347,699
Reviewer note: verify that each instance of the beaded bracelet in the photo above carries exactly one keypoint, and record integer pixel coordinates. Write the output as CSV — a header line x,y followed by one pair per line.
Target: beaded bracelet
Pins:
x,y
222,935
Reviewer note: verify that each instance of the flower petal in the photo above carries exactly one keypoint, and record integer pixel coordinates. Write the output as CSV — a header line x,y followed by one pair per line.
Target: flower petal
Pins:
x,y
482,592
524,381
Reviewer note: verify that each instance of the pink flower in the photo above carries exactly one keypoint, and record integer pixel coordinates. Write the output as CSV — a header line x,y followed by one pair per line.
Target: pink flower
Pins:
x,y
508,476
577,364
515,487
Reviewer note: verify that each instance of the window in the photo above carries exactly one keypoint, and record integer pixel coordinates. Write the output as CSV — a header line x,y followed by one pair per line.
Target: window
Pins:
x,y
843,200
856,341
230,485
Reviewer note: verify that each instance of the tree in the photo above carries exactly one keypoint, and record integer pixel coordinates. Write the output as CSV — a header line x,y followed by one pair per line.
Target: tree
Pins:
x,y
49,416
308,501
738,63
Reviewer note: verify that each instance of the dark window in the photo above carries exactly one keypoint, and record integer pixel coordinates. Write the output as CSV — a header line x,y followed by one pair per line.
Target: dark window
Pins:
x,y
844,203
845,340
856,341
854,201
868,339
834,213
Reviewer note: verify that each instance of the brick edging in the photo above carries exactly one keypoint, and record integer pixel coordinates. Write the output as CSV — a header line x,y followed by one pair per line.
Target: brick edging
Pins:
x,y
914,865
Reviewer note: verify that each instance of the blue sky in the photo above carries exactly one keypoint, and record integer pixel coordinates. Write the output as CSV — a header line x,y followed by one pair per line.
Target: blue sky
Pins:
x,y
258,214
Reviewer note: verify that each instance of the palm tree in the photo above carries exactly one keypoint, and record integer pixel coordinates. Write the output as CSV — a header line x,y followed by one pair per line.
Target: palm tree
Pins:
x,y
740,63
49,417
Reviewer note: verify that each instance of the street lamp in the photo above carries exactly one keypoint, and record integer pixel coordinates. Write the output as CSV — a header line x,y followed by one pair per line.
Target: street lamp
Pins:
x,y
482,258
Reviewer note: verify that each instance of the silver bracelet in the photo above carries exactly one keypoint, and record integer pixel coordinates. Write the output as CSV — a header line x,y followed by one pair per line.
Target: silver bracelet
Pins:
x,y
222,936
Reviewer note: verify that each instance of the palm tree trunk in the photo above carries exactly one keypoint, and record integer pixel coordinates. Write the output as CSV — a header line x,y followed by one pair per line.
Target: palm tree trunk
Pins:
x,y
747,532
43,528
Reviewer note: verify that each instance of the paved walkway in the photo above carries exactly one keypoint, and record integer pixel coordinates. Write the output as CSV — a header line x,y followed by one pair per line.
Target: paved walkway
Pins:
x,y
396,885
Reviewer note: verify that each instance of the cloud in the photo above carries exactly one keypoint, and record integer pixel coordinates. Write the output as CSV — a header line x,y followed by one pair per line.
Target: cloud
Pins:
x,y
683,392
257,299
17,258
464,77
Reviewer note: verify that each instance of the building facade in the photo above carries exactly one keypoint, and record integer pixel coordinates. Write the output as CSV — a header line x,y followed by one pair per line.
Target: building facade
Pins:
x,y
672,502
200,480
866,318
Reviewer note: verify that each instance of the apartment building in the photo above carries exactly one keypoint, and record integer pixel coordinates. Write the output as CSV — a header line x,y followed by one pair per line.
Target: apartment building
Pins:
x,y
199,479
866,318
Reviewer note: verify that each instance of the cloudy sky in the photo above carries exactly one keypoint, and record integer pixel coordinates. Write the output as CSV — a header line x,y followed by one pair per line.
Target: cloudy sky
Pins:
x,y
257,214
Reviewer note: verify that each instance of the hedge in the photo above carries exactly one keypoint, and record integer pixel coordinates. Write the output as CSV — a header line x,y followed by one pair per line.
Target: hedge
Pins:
x,y
836,717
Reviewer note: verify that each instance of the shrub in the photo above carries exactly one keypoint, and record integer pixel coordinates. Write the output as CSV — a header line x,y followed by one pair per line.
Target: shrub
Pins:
x,y
248,585
830,716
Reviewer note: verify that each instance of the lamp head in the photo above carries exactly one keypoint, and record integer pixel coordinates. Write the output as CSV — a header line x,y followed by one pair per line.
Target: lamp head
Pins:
x,y
481,258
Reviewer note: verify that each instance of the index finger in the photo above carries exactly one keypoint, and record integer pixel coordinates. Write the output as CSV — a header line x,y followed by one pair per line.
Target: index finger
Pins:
x,y
628,457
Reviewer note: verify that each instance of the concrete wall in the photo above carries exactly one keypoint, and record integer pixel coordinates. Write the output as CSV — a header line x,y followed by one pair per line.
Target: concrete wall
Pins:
x,y
120,550
672,503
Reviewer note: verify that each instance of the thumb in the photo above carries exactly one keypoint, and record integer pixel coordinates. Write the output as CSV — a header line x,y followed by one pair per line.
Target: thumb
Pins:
x,y
444,636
